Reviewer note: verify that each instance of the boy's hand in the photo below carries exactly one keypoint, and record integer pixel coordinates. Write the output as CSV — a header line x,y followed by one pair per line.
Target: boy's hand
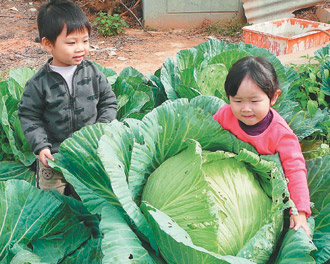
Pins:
x,y
45,154
300,220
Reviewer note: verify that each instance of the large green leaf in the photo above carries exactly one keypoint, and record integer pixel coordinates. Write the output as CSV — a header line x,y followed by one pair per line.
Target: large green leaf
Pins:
x,y
189,59
211,79
113,225
188,78
109,73
135,94
173,188
290,252
120,244
16,170
319,181
321,237
27,158
187,92
209,104
29,215
82,167
88,253
170,78
13,143
319,185
212,48
228,57
302,123
54,248
23,256
175,244
21,76
115,150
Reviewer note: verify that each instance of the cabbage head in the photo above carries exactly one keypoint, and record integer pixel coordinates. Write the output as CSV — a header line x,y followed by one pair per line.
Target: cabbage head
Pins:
x,y
218,200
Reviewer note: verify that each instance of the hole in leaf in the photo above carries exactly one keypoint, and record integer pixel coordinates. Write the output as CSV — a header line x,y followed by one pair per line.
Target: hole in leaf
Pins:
x,y
130,256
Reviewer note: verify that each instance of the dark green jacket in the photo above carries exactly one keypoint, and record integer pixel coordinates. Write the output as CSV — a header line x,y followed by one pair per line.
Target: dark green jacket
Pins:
x,y
49,114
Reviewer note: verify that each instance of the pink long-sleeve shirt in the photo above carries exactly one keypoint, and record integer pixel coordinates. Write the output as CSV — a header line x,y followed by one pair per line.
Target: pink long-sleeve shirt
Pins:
x,y
278,137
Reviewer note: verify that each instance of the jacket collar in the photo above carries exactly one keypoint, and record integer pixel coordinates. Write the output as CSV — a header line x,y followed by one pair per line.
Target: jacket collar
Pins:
x,y
51,59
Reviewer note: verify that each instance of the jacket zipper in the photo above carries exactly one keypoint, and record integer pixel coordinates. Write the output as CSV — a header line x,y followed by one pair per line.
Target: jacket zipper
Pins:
x,y
71,99
73,103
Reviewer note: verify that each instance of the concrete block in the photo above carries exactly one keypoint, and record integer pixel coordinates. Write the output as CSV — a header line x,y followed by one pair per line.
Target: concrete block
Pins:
x,y
323,14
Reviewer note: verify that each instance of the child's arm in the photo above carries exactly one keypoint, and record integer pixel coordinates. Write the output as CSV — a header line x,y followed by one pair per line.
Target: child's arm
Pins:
x,y
30,111
300,220
294,167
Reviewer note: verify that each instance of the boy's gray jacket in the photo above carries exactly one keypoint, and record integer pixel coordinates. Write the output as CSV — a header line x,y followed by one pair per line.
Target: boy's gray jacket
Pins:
x,y
49,114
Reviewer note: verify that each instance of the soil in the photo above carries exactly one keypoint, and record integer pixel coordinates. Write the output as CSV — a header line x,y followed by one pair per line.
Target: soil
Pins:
x,y
145,51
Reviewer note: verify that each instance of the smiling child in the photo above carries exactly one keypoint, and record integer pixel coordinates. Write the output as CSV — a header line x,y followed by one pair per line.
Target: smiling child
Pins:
x,y
67,93
252,88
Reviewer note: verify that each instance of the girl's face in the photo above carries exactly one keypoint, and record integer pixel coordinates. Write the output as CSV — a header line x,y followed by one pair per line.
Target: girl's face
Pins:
x,y
68,49
251,104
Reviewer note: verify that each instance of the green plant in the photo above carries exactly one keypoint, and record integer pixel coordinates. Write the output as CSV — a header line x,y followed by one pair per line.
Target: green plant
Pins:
x,y
127,172
311,88
307,87
115,186
108,25
231,29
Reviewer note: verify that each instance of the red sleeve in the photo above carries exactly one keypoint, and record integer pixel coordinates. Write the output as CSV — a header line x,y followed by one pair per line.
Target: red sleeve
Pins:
x,y
294,166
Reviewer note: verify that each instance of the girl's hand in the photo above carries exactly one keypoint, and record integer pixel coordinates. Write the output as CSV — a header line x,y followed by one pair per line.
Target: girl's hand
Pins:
x,y
45,154
300,220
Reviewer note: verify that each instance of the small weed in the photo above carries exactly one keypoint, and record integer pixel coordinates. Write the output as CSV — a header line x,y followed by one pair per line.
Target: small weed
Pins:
x,y
108,25
230,29
148,28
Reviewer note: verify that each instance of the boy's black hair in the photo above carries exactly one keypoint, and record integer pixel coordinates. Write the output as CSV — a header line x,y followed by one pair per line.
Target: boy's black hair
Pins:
x,y
259,69
55,14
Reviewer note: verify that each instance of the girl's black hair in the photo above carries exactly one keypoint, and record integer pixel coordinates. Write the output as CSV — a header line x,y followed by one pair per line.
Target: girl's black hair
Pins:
x,y
55,14
259,69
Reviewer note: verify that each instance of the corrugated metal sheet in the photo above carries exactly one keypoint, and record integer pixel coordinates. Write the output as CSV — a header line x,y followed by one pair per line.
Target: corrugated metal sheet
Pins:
x,y
257,11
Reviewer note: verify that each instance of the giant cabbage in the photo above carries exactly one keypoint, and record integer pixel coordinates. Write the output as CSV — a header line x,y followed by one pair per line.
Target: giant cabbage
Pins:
x,y
218,200
110,166
125,154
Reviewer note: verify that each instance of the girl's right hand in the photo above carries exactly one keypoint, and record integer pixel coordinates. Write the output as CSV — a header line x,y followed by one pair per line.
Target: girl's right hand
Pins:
x,y
45,154
299,220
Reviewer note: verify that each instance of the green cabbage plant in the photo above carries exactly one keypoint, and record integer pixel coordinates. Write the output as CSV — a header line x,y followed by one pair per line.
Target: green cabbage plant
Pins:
x,y
173,187
202,70
16,155
218,199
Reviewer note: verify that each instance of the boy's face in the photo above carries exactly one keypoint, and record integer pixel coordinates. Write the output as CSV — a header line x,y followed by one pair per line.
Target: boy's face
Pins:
x,y
68,49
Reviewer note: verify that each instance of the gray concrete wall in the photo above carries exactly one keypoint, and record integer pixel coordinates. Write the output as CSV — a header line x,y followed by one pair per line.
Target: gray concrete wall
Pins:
x,y
184,14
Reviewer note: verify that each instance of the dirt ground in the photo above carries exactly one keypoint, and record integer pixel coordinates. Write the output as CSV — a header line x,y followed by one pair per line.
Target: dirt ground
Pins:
x,y
145,51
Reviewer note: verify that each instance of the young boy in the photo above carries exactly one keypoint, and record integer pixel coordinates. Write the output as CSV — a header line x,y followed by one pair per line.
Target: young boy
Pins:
x,y
67,93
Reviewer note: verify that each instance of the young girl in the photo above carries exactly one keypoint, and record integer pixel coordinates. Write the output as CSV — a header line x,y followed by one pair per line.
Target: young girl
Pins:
x,y
252,88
